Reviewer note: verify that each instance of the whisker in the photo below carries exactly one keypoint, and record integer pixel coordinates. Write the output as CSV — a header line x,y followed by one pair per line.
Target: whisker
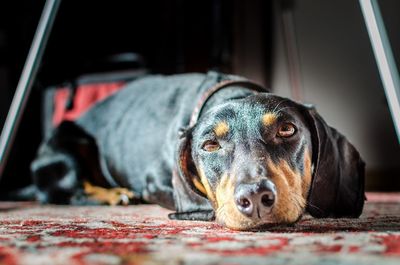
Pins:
x,y
315,207
220,214
288,107
283,100
221,208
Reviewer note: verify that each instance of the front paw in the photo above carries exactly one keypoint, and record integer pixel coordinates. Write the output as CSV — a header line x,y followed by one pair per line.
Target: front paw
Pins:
x,y
193,216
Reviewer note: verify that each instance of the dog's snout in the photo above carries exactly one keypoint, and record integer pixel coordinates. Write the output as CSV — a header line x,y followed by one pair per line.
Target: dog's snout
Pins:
x,y
255,200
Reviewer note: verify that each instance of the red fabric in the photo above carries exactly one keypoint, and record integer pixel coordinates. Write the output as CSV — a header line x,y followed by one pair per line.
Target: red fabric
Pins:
x,y
85,97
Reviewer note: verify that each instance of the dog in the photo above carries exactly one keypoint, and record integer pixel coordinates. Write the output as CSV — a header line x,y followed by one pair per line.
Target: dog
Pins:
x,y
207,146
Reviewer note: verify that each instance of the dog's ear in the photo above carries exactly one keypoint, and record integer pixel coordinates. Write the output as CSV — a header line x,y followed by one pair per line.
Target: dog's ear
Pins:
x,y
337,188
190,202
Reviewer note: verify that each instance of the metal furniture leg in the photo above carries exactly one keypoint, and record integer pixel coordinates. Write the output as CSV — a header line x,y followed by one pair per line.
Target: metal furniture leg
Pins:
x,y
384,58
26,80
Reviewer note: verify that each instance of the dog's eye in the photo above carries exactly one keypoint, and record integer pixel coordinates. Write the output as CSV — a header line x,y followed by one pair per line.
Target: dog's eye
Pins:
x,y
211,146
286,130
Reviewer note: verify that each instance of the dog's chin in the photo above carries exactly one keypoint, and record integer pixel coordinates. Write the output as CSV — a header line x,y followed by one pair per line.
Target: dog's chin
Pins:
x,y
247,224
242,224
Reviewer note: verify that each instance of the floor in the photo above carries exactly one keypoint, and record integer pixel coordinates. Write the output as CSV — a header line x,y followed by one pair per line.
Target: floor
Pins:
x,y
32,234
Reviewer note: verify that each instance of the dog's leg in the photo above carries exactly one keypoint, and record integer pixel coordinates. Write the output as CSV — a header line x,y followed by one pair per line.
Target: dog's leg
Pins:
x,y
64,161
156,192
197,216
158,188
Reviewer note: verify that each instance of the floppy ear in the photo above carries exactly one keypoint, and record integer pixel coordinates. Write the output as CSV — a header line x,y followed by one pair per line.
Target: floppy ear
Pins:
x,y
190,203
337,188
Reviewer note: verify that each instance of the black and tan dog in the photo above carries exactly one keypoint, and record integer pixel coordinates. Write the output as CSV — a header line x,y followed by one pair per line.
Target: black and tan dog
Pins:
x,y
207,146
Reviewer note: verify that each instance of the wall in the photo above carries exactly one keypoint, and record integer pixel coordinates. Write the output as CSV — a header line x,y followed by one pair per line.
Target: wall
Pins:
x,y
339,75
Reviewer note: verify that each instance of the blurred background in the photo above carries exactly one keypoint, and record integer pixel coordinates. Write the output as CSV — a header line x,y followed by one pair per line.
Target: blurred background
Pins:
x,y
313,51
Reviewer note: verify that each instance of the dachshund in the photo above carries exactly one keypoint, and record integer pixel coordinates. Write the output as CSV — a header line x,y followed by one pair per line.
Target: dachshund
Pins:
x,y
207,146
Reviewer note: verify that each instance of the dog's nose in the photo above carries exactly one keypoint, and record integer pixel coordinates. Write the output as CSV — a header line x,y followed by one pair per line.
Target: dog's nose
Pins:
x,y
255,199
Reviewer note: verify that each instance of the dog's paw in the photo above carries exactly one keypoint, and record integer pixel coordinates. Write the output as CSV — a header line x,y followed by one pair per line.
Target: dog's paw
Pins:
x,y
112,196
193,216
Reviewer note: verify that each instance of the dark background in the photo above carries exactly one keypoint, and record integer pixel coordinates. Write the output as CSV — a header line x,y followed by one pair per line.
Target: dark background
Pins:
x,y
172,36
337,68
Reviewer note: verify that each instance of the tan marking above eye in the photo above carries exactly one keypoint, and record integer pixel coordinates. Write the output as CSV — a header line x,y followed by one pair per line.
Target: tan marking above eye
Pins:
x,y
221,129
286,130
268,118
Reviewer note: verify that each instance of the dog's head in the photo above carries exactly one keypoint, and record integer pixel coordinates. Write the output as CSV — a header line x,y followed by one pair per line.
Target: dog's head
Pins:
x,y
266,160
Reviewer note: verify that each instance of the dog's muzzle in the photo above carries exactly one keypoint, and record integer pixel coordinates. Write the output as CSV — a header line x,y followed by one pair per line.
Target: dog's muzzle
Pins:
x,y
255,200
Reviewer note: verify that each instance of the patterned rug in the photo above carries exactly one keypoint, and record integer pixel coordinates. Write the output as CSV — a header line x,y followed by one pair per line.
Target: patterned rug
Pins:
x,y
32,234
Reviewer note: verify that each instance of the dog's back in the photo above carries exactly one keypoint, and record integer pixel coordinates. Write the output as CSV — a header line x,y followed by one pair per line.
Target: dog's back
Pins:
x,y
135,129
130,139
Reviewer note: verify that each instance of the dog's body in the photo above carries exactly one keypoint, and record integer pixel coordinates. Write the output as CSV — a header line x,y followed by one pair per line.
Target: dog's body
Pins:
x,y
141,139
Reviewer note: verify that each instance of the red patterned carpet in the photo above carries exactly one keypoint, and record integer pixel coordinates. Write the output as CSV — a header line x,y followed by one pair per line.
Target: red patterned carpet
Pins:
x,y
32,234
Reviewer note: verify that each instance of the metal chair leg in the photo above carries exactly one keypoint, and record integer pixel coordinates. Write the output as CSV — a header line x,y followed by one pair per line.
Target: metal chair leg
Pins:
x,y
384,58
26,80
